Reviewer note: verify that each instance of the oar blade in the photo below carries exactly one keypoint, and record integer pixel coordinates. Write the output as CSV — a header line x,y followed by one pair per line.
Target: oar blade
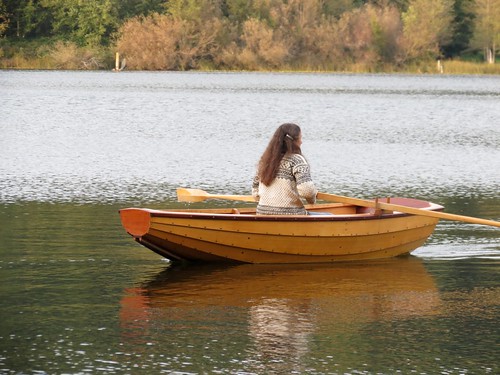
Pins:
x,y
191,195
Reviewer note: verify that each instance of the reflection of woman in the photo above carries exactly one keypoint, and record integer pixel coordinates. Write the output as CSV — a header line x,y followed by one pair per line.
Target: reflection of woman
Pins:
x,y
280,333
283,175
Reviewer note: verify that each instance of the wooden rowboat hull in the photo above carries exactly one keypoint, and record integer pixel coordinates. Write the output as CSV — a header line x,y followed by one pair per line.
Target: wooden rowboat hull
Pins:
x,y
230,235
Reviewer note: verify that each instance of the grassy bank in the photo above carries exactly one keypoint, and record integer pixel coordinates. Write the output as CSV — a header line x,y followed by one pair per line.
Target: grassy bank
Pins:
x,y
57,55
50,54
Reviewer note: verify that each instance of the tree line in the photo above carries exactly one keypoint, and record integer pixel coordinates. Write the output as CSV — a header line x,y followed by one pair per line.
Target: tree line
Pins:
x,y
260,34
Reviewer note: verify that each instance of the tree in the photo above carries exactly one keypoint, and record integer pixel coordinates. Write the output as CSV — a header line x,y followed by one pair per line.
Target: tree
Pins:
x,y
462,25
96,22
262,47
335,8
132,8
23,17
370,35
4,18
426,27
165,42
293,22
386,28
85,22
239,10
194,10
487,27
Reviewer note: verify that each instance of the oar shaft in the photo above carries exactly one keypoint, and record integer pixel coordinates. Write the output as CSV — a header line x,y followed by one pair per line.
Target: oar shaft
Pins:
x,y
245,198
197,195
406,209
439,215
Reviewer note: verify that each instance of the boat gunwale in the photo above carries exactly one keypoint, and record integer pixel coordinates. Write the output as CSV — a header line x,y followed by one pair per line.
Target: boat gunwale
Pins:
x,y
281,218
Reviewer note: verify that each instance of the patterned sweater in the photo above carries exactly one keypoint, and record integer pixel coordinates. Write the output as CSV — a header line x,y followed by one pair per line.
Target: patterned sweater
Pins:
x,y
283,196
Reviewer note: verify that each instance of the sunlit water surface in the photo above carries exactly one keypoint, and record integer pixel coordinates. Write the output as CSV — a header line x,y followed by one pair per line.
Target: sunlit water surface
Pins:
x,y
79,296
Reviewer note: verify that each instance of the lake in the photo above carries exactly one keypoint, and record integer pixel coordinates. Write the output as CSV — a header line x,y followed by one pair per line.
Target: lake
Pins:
x,y
79,296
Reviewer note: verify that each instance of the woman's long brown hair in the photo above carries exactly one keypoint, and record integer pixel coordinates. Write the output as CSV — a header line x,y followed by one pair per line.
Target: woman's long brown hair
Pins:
x,y
283,142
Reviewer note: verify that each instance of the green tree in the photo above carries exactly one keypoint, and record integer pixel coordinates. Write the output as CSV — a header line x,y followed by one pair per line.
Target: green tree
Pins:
x,y
195,10
462,25
4,18
239,11
85,22
23,17
131,8
487,27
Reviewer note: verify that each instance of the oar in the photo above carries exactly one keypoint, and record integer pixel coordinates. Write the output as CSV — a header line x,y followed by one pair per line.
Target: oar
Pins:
x,y
405,209
198,195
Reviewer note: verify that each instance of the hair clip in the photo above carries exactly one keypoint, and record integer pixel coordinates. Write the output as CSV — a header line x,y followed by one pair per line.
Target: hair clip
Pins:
x,y
289,136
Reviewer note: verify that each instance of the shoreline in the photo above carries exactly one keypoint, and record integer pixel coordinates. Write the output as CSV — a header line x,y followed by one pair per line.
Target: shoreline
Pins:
x,y
475,70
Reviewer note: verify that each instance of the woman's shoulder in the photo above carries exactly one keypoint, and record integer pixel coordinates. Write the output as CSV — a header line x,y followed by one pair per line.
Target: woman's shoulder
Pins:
x,y
296,158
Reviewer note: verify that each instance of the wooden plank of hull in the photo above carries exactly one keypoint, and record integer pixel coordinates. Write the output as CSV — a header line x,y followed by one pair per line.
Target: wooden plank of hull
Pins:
x,y
197,250
215,245
336,243
352,226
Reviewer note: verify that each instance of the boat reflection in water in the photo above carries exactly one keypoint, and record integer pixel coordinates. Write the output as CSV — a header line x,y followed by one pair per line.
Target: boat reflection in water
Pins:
x,y
277,308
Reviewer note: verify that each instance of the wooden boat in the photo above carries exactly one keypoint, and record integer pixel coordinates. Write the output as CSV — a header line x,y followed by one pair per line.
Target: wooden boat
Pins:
x,y
351,232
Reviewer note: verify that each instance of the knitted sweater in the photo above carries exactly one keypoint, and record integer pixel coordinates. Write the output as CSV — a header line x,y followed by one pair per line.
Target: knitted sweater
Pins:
x,y
283,195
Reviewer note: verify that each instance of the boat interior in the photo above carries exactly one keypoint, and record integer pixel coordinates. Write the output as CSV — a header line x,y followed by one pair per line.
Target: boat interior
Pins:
x,y
331,208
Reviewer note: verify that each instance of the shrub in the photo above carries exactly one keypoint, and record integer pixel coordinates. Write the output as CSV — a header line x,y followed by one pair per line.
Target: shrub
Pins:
x,y
164,42
67,55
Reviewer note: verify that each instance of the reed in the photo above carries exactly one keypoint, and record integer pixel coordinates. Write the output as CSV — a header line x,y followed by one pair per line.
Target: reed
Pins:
x,y
54,55
469,67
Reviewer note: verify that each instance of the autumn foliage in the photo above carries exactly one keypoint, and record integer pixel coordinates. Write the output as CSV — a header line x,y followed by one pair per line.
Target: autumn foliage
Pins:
x,y
296,34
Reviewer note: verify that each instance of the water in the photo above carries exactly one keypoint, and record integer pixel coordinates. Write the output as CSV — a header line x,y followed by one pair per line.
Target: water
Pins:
x,y
79,296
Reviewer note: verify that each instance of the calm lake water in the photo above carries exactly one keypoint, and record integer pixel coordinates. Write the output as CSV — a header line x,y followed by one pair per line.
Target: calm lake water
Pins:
x,y
78,296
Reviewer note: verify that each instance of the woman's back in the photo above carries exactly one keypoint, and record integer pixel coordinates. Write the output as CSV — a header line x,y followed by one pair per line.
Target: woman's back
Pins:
x,y
283,196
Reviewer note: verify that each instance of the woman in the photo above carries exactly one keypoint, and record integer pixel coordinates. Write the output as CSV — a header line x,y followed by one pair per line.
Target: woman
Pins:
x,y
283,175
